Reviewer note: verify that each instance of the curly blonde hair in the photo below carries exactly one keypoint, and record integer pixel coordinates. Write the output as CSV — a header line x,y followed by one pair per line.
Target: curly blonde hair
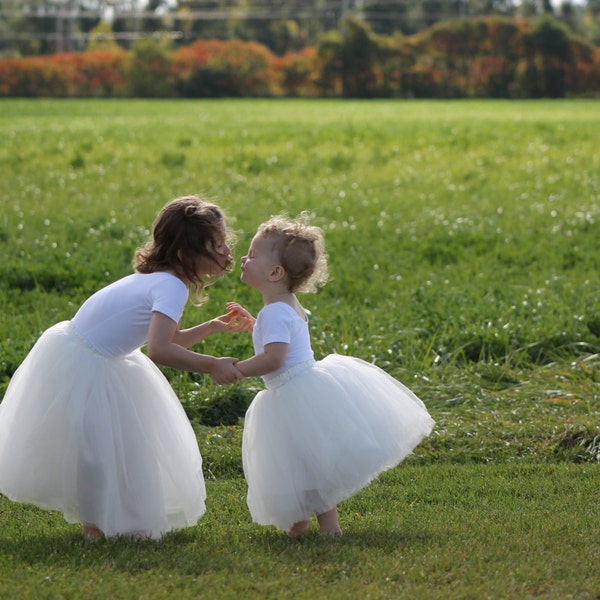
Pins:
x,y
184,233
301,250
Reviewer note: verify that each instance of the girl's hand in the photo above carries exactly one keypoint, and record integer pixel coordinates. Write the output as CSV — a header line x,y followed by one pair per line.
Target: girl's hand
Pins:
x,y
224,371
240,312
233,322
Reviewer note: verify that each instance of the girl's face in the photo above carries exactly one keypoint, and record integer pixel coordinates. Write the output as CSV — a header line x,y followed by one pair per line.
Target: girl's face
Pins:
x,y
221,254
259,263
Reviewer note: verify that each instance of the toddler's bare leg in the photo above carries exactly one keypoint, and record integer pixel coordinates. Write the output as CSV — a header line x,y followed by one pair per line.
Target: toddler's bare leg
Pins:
x,y
329,524
298,528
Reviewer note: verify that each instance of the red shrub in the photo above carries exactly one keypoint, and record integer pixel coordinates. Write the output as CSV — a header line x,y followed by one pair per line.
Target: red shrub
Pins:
x,y
63,75
297,73
216,68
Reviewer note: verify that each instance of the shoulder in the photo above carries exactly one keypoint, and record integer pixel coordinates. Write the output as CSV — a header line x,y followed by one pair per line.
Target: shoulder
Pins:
x,y
167,278
280,313
157,281
280,310
160,289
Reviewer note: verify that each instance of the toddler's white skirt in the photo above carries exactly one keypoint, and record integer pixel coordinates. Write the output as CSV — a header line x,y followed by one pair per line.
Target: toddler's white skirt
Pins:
x,y
104,440
320,432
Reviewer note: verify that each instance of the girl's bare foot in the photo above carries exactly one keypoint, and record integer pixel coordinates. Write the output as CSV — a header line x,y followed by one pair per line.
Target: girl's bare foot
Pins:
x,y
298,528
91,532
329,524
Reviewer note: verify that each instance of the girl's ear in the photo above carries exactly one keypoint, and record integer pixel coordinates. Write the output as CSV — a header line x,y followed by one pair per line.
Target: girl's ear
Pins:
x,y
277,273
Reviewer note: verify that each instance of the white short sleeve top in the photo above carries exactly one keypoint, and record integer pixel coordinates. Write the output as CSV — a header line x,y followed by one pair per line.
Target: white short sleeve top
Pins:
x,y
115,320
279,322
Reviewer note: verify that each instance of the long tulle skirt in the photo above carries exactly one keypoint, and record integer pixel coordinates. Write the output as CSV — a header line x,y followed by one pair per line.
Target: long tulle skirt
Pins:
x,y
322,431
104,440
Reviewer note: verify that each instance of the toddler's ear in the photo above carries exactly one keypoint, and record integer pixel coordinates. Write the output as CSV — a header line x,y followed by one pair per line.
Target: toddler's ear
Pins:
x,y
277,273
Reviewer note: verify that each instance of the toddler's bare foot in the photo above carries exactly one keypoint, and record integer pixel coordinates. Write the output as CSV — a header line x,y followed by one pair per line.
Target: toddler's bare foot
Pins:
x,y
298,528
334,533
91,532
329,524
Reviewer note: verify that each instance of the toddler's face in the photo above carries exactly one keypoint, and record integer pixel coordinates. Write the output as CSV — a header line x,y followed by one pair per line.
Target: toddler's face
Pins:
x,y
258,264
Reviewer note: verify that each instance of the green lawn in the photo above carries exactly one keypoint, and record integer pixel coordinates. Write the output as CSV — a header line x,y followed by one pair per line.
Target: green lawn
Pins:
x,y
464,246
434,532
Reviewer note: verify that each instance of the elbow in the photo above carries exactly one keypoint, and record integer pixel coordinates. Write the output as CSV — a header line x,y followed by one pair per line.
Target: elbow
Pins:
x,y
277,364
275,356
156,355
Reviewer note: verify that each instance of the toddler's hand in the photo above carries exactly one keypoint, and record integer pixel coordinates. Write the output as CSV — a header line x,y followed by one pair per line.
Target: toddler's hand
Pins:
x,y
225,372
234,322
240,312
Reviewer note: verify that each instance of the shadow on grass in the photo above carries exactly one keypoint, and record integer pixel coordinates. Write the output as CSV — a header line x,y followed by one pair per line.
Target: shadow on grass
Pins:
x,y
195,550
368,539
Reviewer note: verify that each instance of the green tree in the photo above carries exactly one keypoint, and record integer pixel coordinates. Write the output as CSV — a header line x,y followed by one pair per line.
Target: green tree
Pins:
x,y
591,21
101,37
548,56
150,69
358,58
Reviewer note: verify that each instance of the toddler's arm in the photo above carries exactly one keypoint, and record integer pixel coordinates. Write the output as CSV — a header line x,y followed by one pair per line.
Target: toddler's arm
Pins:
x,y
268,361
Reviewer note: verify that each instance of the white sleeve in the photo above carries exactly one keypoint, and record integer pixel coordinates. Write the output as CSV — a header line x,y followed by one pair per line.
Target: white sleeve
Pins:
x,y
276,324
169,298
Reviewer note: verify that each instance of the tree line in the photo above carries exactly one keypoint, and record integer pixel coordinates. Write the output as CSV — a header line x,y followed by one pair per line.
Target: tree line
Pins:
x,y
482,57
34,27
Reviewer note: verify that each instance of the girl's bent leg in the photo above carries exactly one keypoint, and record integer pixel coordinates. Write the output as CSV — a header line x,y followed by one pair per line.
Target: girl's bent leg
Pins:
x,y
91,532
298,528
329,524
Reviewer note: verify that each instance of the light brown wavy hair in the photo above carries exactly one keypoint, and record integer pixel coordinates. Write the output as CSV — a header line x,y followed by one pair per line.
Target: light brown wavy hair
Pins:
x,y
183,238
301,250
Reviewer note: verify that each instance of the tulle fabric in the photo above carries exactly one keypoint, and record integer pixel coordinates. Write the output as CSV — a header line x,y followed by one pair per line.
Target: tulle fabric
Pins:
x,y
322,431
104,440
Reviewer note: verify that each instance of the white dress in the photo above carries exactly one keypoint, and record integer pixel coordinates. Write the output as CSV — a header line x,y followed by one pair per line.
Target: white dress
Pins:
x,y
322,430
90,426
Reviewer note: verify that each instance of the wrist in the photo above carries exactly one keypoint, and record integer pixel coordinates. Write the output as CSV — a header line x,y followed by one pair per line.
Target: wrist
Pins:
x,y
208,364
241,367
212,326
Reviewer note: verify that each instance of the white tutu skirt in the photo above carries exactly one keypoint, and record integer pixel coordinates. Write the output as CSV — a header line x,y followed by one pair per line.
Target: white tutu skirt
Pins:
x,y
322,431
104,440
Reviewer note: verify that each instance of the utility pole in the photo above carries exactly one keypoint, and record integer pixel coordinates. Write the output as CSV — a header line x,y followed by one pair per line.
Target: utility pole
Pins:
x,y
65,12
343,28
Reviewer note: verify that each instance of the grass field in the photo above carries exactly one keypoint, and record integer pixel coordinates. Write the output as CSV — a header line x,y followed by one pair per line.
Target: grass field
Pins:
x,y
464,244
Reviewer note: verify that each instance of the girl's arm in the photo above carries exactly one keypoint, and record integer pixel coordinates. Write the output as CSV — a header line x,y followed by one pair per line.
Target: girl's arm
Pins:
x,y
241,312
268,361
232,322
163,349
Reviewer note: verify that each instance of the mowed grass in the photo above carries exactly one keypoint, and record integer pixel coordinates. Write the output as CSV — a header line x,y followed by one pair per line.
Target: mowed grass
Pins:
x,y
464,246
444,531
